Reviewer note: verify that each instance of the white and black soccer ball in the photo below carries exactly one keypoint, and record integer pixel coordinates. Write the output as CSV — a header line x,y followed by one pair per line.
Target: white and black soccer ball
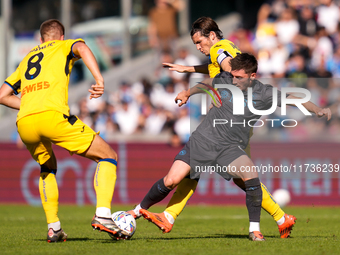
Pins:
x,y
282,197
125,222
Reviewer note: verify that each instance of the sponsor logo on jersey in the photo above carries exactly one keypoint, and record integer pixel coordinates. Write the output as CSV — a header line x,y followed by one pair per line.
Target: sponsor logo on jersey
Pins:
x,y
35,87
182,152
42,47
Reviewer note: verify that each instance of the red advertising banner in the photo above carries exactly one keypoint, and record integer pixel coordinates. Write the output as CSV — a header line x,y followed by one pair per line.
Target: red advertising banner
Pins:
x,y
310,171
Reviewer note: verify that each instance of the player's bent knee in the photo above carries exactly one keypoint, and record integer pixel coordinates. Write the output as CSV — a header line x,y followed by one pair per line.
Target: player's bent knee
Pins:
x,y
108,152
51,163
170,183
112,154
240,183
99,149
48,169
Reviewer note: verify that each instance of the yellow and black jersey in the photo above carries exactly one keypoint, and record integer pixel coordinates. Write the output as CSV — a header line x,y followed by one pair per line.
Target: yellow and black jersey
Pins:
x,y
42,77
218,52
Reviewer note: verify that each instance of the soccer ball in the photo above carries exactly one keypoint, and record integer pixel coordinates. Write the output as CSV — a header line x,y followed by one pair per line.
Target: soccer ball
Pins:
x,y
125,222
282,197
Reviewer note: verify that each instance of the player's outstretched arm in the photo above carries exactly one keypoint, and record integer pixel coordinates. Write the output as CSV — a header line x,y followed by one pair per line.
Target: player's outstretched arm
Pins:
x,y
82,50
187,69
8,98
201,87
320,112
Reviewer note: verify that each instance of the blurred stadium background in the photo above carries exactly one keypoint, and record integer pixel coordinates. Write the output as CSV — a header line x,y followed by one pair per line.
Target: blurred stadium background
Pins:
x,y
297,43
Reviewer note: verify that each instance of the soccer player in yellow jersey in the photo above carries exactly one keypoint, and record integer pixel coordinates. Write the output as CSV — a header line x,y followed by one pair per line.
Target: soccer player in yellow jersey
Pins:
x,y
42,77
208,39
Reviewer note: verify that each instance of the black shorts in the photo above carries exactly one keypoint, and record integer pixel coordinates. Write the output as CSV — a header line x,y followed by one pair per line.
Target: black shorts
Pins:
x,y
204,156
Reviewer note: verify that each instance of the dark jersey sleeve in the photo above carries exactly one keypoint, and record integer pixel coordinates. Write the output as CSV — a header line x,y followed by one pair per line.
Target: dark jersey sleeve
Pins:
x,y
223,78
268,96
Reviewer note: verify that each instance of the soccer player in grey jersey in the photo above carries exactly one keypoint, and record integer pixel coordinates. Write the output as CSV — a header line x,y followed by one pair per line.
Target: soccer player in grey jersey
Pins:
x,y
226,130
223,144
222,127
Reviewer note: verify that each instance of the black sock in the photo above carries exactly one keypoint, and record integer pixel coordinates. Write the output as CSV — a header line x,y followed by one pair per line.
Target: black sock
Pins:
x,y
253,199
156,194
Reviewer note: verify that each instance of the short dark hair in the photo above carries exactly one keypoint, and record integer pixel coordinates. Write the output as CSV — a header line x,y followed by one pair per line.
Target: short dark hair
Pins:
x,y
205,25
244,61
49,27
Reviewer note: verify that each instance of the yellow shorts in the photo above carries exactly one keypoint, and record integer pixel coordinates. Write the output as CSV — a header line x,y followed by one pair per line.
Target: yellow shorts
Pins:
x,y
39,131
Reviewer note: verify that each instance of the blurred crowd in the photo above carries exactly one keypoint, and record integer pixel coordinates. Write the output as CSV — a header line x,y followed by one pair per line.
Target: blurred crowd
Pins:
x,y
297,43
144,107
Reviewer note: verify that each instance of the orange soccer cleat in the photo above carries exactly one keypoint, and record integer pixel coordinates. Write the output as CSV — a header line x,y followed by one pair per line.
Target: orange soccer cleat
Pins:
x,y
158,219
107,225
256,236
287,226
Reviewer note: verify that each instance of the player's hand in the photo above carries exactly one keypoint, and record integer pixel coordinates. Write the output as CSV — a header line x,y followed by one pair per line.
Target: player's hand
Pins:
x,y
325,112
175,67
97,90
183,97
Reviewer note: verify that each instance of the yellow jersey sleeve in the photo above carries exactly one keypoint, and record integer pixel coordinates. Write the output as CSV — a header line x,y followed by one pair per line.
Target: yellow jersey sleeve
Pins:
x,y
218,52
43,76
14,81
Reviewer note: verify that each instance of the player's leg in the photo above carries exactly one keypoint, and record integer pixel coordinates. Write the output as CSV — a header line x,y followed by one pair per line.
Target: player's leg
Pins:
x,y
41,151
185,189
284,221
104,184
73,135
179,199
253,195
268,203
178,171
162,187
49,193
105,174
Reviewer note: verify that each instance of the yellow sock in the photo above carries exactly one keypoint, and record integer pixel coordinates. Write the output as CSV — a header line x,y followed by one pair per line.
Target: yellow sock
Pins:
x,y
269,204
49,194
104,182
180,198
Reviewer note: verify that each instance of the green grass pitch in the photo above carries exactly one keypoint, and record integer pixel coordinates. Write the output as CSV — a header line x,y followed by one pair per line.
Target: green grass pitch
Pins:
x,y
198,230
